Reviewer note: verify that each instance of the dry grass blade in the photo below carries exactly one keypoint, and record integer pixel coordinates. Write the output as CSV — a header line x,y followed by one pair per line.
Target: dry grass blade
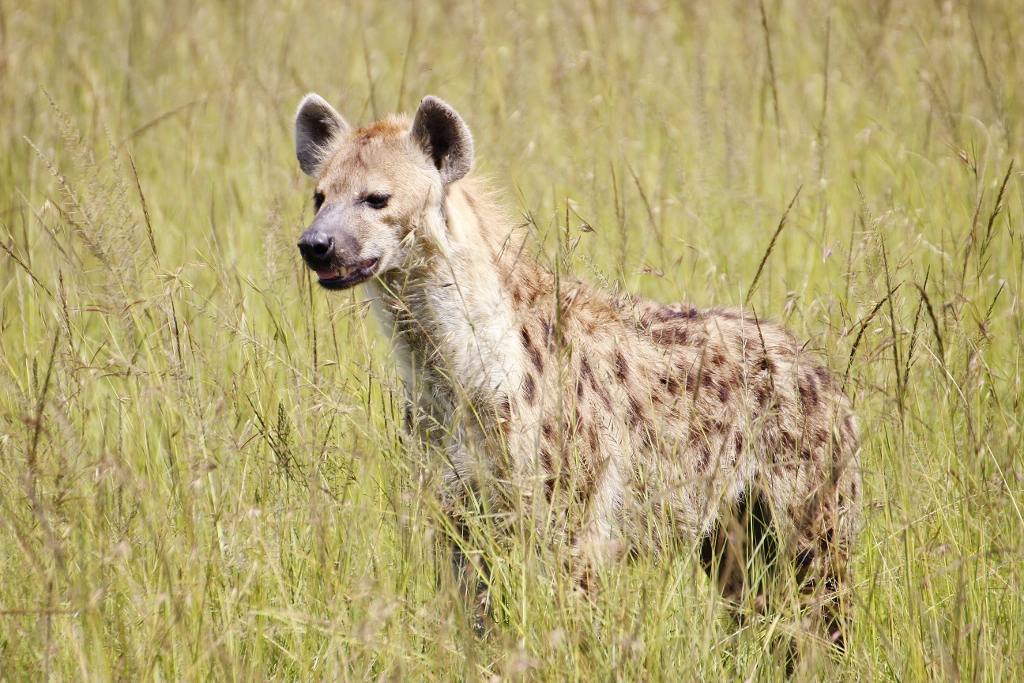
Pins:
x,y
14,257
997,209
145,208
771,245
862,328
935,322
771,71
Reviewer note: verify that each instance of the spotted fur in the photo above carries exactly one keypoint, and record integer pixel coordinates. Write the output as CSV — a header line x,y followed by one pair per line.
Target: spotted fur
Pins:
x,y
639,426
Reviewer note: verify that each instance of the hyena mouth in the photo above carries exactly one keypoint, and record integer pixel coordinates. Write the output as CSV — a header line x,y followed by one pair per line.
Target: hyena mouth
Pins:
x,y
350,276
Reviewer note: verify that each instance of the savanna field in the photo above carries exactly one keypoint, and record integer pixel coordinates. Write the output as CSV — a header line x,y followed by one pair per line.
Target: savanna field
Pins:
x,y
203,468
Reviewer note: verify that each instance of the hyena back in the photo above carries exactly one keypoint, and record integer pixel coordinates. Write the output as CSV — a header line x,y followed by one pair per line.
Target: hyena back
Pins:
x,y
638,425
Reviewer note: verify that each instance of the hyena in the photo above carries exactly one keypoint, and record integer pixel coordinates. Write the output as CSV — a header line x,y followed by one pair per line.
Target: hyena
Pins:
x,y
634,425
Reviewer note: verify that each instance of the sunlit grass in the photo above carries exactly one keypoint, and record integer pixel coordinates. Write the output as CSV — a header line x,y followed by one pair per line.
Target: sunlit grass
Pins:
x,y
203,473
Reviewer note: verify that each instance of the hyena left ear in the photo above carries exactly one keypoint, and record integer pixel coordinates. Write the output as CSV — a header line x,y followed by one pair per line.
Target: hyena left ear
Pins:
x,y
444,137
317,125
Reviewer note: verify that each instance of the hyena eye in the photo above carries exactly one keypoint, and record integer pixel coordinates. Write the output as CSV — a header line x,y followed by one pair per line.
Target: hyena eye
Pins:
x,y
377,200
318,201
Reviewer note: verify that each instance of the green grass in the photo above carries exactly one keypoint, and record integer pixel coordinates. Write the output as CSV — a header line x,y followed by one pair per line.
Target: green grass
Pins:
x,y
202,469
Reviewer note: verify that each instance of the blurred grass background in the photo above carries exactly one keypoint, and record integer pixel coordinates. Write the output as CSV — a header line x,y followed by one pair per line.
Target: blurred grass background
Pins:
x,y
202,474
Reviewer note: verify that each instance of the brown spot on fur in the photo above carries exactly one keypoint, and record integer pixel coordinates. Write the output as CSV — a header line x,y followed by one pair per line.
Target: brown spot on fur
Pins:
x,y
669,336
549,431
739,444
788,444
529,389
700,444
837,448
504,408
592,439
723,392
548,468
671,384
639,421
666,313
715,427
808,392
549,334
691,382
531,350
571,427
621,369
762,395
546,462
635,413
587,372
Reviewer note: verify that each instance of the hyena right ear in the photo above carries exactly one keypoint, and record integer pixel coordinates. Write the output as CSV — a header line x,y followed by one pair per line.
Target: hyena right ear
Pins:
x,y
317,125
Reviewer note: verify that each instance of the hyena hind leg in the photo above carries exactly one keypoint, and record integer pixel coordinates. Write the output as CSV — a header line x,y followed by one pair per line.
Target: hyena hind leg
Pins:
x,y
822,577
740,554
754,573
473,578
744,558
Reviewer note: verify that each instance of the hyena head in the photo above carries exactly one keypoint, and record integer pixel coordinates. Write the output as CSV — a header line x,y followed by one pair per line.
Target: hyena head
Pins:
x,y
379,189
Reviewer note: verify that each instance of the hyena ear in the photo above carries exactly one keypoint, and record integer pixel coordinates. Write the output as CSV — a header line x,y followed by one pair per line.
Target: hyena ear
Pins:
x,y
444,137
317,125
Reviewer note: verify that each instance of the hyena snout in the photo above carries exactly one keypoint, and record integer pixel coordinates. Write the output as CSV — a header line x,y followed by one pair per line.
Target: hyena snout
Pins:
x,y
316,247
335,254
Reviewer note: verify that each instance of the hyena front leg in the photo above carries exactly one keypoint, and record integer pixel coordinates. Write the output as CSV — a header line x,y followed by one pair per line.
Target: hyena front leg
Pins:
x,y
469,569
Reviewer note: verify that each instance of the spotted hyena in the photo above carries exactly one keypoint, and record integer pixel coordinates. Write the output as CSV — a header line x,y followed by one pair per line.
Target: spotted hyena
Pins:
x,y
634,425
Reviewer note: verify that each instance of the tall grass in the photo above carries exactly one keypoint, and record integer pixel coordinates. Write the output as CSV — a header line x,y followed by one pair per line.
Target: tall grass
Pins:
x,y
202,468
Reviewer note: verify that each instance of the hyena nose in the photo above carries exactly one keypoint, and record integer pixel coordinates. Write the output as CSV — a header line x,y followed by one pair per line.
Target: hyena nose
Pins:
x,y
316,246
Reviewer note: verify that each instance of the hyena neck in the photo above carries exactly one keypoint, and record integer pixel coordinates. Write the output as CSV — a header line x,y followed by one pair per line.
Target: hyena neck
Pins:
x,y
454,313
